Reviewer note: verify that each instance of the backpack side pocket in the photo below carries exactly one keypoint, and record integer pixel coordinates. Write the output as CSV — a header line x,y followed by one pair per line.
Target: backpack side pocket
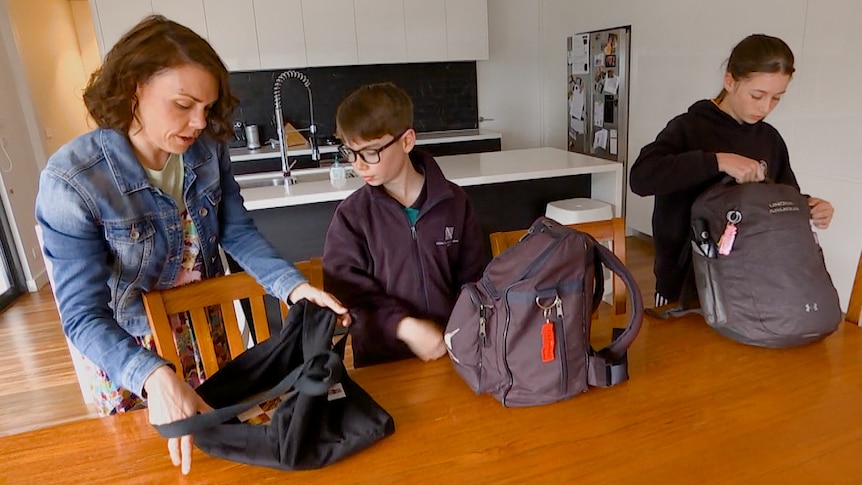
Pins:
x,y
468,338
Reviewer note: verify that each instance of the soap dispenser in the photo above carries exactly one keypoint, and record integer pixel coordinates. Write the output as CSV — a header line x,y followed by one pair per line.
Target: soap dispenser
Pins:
x,y
337,173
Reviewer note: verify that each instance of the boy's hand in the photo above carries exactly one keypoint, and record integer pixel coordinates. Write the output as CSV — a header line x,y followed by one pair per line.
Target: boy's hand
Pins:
x,y
423,337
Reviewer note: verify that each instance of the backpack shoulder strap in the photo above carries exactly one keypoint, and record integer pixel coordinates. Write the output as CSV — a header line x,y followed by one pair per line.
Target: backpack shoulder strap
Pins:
x,y
609,366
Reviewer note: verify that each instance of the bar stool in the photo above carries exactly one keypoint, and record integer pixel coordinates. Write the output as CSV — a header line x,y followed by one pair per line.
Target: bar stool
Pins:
x,y
580,210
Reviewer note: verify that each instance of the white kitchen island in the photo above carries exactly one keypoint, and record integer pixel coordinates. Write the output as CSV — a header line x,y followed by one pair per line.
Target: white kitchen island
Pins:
x,y
507,189
465,170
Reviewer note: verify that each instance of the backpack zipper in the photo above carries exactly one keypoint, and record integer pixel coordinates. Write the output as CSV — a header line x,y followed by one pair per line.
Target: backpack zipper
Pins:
x,y
536,262
505,341
564,360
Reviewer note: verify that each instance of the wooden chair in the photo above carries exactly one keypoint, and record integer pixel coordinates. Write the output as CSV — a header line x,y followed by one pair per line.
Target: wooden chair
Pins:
x,y
611,230
313,271
854,309
221,292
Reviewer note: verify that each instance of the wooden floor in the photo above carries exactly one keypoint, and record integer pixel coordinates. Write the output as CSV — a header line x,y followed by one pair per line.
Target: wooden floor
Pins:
x,y
38,387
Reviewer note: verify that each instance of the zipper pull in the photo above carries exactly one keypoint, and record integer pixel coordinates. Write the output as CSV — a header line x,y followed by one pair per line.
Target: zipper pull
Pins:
x,y
413,232
559,304
483,331
725,242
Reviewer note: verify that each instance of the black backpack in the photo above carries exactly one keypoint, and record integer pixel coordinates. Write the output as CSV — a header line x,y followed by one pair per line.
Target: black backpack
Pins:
x,y
324,417
766,284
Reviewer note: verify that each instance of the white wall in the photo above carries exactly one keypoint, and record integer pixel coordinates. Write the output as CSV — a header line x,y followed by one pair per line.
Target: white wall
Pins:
x,y
510,83
678,50
48,47
19,178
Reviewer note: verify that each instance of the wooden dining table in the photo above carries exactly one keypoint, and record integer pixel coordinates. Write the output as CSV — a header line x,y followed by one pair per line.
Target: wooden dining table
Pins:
x,y
698,408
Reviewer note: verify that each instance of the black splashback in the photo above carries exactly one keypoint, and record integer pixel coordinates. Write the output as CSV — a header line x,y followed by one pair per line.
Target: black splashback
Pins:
x,y
444,95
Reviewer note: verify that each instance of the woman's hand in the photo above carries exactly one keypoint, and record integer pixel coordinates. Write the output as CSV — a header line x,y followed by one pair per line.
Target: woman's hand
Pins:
x,y
320,298
742,169
170,399
821,212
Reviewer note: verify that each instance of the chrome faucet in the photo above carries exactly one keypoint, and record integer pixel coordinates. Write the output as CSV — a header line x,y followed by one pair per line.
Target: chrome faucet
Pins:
x,y
279,120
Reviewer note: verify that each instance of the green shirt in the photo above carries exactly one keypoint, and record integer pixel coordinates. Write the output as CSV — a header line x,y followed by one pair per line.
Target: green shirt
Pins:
x,y
170,179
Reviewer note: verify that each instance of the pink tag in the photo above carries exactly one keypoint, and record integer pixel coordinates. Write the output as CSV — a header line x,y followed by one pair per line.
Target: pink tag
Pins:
x,y
725,243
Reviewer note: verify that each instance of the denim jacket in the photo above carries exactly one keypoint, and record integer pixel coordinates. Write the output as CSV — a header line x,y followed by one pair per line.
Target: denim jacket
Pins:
x,y
110,235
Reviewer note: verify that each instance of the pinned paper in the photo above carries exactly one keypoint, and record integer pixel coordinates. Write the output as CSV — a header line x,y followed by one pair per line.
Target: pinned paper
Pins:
x,y
599,113
613,148
600,140
577,126
579,57
576,104
611,85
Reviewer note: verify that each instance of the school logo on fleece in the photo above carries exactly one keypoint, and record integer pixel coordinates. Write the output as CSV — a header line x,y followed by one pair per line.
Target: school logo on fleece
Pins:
x,y
448,237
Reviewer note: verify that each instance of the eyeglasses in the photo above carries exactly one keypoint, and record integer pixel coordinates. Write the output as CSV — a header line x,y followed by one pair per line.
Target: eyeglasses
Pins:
x,y
369,155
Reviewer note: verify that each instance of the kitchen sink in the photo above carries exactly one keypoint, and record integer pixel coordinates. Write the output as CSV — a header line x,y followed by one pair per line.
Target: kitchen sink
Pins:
x,y
275,179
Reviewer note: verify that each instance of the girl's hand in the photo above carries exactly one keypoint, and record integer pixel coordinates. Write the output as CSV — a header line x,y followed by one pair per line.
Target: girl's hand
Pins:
x,y
321,298
821,212
170,399
742,169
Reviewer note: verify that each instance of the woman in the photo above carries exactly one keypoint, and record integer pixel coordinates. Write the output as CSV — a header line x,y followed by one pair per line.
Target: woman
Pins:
x,y
143,203
724,135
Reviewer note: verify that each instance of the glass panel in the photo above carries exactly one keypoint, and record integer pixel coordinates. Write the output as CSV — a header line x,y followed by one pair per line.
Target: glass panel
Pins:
x,y
11,275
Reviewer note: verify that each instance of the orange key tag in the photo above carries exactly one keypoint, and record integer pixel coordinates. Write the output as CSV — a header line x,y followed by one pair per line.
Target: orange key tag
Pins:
x,y
548,343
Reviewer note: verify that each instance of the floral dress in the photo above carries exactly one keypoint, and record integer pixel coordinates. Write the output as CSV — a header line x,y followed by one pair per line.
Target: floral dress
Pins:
x,y
109,398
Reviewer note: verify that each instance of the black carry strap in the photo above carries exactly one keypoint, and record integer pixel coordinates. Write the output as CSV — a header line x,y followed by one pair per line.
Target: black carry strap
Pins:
x,y
609,365
314,377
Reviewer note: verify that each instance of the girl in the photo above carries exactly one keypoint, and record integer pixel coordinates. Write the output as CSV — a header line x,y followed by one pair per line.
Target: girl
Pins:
x,y
724,135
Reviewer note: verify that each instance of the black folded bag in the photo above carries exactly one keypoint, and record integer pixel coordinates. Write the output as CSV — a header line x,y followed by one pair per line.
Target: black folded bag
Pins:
x,y
328,418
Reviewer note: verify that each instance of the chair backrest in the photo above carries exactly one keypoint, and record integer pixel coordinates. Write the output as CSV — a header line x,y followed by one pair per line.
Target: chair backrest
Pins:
x,y
613,230
854,309
221,292
313,271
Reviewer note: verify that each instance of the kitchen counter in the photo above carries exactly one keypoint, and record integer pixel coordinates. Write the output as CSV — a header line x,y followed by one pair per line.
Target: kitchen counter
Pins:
x,y
426,138
465,170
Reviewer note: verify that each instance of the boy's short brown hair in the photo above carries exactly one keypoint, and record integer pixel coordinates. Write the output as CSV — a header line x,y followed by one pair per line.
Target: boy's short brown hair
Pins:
x,y
373,111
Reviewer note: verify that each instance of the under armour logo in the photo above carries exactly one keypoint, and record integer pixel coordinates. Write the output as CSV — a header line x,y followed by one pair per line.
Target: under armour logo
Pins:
x,y
810,307
447,339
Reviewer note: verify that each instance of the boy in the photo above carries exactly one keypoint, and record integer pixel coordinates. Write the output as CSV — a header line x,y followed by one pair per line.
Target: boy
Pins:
x,y
398,249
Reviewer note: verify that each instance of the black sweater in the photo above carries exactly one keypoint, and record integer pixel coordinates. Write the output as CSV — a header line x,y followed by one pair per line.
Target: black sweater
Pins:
x,y
680,164
384,270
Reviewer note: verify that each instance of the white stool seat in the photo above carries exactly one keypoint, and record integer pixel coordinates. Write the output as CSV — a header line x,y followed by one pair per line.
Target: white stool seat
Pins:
x,y
579,210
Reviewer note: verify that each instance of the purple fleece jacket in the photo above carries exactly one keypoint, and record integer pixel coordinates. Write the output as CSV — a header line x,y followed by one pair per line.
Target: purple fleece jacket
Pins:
x,y
384,270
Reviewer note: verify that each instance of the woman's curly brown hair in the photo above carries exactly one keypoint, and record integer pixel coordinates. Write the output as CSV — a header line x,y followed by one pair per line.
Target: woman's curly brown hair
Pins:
x,y
155,44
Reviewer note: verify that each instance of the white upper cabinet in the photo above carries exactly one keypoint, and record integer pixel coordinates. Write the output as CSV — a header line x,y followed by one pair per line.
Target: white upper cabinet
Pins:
x,y
280,34
285,34
425,26
380,31
330,32
232,33
467,29
114,18
186,12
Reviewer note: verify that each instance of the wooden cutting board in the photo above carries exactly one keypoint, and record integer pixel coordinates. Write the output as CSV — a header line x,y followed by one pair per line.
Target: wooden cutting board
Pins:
x,y
293,138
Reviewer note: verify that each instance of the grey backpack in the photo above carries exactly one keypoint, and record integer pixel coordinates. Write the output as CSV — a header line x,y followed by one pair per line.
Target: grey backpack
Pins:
x,y
522,333
758,268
